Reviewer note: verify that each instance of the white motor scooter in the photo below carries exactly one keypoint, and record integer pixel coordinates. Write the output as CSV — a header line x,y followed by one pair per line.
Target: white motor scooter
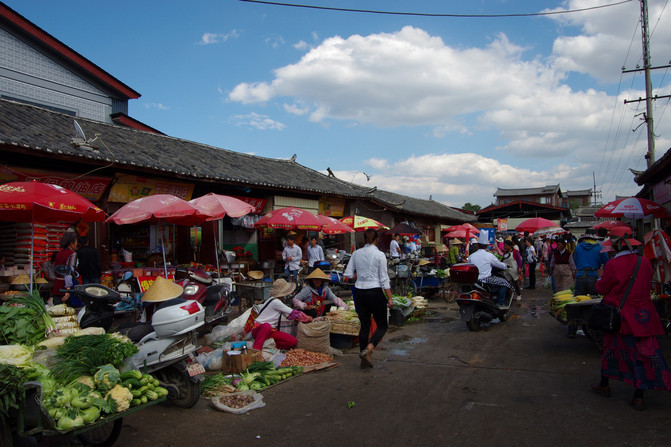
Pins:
x,y
166,344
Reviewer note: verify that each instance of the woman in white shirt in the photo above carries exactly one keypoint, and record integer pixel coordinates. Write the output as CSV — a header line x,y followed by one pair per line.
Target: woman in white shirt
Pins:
x,y
368,265
268,319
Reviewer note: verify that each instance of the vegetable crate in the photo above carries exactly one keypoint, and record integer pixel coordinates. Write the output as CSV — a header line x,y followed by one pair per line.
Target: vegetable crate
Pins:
x,y
345,327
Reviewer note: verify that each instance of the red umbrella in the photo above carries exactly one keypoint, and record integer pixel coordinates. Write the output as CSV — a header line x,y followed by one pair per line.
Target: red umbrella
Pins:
x,y
217,206
535,223
632,207
290,218
361,223
608,224
158,208
333,226
45,203
464,226
461,234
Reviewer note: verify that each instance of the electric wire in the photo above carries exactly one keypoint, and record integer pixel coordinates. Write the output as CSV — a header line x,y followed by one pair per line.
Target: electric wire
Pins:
x,y
467,16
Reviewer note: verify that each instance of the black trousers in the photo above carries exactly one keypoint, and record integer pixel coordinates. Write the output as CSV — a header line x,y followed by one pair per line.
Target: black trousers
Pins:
x,y
371,303
532,275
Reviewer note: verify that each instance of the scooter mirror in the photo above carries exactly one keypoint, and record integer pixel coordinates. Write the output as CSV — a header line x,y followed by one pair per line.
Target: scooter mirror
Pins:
x,y
127,275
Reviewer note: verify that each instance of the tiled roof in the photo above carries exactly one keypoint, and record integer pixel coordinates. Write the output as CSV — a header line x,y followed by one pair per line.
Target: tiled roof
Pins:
x,y
580,192
549,189
424,207
50,133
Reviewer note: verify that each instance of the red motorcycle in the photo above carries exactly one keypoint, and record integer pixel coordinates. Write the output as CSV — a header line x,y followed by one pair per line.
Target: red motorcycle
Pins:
x,y
200,286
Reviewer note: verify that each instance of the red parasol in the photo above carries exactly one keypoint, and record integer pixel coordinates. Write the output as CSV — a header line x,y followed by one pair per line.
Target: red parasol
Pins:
x,y
158,208
609,224
45,203
633,207
461,234
290,218
658,250
361,223
217,206
333,226
534,224
464,226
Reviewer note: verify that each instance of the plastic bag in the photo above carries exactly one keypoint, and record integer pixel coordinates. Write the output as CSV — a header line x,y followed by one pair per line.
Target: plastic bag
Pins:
x,y
258,402
234,329
548,282
211,361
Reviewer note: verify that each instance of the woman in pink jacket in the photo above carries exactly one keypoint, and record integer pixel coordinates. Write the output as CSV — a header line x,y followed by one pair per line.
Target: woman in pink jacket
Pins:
x,y
633,354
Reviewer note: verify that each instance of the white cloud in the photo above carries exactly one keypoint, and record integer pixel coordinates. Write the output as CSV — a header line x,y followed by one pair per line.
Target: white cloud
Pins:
x,y
155,106
275,41
301,45
257,121
214,38
296,109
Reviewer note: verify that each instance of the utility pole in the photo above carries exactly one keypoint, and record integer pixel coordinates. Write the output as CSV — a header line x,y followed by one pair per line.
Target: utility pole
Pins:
x,y
648,82
650,156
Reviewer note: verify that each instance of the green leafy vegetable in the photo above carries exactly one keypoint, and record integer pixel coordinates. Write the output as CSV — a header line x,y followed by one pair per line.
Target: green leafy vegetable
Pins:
x,y
84,355
12,392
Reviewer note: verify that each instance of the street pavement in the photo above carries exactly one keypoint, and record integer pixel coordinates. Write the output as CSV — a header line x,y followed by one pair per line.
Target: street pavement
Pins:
x,y
522,382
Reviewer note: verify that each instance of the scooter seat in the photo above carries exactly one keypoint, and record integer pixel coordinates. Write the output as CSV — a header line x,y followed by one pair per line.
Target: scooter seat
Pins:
x,y
136,331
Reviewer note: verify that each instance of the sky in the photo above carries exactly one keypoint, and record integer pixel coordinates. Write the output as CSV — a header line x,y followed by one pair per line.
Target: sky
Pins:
x,y
429,106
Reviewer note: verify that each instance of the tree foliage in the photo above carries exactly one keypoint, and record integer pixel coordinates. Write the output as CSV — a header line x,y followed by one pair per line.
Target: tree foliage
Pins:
x,y
471,207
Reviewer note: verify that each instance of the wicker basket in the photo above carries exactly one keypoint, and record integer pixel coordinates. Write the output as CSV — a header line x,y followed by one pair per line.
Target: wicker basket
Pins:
x,y
345,327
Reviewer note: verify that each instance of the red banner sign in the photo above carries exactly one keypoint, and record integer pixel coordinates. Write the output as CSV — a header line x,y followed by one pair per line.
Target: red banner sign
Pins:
x,y
258,204
91,188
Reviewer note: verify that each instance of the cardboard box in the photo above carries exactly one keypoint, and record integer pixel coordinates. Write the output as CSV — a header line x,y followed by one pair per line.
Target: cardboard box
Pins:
x,y
240,362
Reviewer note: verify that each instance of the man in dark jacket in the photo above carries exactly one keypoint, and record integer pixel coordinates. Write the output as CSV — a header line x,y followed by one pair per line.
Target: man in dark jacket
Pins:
x,y
89,263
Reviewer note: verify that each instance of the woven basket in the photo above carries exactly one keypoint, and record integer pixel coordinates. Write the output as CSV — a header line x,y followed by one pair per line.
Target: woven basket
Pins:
x,y
345,327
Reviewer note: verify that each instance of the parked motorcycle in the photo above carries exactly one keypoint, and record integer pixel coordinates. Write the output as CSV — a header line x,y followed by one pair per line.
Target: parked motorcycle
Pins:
x,y
165,345
199,286
477,300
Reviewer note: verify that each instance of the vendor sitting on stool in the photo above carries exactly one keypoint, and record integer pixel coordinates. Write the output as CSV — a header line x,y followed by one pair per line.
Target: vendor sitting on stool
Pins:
x,y
314,298
267,322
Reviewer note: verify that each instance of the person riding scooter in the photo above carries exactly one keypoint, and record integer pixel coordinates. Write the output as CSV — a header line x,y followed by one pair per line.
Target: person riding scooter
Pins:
x,y
484,261
314,298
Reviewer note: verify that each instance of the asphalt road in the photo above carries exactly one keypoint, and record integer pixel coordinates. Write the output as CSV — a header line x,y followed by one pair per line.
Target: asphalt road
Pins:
x,y
517,383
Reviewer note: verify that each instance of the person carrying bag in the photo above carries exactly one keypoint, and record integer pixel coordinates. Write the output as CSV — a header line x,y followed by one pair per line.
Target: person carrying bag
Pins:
x,y
632,353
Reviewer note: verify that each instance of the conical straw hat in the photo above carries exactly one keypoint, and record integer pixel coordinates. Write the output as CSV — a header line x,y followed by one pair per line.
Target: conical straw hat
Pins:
x,y
162,290
318,274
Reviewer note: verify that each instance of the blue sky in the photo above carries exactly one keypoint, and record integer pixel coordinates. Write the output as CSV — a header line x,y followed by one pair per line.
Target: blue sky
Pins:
x,y
427,106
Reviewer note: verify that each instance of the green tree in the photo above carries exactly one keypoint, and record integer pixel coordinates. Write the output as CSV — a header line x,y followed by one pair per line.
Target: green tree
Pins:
x,y
468,206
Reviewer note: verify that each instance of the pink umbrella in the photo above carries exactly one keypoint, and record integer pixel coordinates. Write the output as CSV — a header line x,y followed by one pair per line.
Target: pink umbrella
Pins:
x,y
158,208
333,226
461,234
290,218
632,207
534,224
217,206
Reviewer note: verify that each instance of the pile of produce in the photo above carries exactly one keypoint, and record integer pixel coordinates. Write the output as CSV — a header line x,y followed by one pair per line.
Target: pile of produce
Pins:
x,y
83,355
559,301
24,321
301,357
237,401
419,302
400,302
440,273
257,376
88,398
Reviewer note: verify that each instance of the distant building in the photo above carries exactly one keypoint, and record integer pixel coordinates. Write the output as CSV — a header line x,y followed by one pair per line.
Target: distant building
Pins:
x,y
545,195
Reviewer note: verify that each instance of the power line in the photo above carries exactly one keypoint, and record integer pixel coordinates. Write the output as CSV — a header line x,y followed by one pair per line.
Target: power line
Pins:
x,y
462,16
